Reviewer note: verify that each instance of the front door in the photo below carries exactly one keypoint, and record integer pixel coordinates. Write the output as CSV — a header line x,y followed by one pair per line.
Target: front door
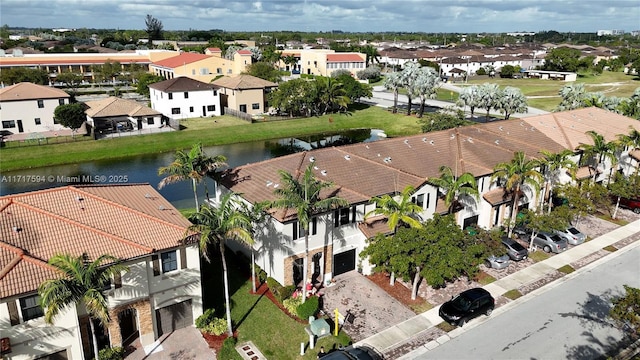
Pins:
x,y
128,326
204,110
344,262
20,128
139,124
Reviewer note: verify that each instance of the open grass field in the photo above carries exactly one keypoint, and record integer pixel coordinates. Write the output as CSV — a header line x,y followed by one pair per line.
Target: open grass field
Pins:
x,y
543,94
209,132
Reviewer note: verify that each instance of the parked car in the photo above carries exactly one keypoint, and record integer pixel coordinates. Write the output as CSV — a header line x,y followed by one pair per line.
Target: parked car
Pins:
x,y
515,251
572,235
497,262
550,242
353,353
632,204
466,306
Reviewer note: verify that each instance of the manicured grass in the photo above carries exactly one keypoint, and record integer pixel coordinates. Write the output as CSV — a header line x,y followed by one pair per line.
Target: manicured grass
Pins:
x,y
538,256
484,279
255,317
567,269
445,326
610,248
209,132
512,294
422,307
607,217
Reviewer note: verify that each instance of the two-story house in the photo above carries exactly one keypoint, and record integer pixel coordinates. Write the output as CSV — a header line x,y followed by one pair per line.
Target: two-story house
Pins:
x,y
29,108
244,93
362,171
185,97
324,62
202,67
161,291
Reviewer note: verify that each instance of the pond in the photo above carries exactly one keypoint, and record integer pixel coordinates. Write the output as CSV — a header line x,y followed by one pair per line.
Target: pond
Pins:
x,y
144,168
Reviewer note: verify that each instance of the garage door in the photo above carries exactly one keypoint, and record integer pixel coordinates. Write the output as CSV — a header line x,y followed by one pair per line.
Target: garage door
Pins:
x,y
174,317
344,262
60,355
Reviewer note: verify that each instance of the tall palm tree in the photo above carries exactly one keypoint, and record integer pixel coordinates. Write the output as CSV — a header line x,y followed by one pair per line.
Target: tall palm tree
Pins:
x,y
393,82
572,97
258,216
469,97
553,162
454,186
599,151
409,76
194,164
632,141
398,212
331,95
216,225
512,100
304,196
517,173
488,95
81,281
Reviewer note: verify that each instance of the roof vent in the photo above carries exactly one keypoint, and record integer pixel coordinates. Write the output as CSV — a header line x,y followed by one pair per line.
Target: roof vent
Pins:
x,y
470,140
312,159
269,183
521,123
276,185
147,196
367,146
431,142
497,142
160,207
406,141
17,229
500,128
323,172
347,157
315,168
79,198
424,139
453,136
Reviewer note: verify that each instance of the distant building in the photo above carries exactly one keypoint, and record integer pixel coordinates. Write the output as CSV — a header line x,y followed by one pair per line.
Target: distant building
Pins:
x,y
610,32
324,62
183,97
201,67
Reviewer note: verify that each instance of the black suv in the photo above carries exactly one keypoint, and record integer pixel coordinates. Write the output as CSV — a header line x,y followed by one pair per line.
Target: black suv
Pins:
x,y
466,306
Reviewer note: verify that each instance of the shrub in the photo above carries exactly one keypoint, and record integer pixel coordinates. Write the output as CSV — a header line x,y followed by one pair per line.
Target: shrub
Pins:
x,y
228,349
114,353
260,274
217,326
481,71
292,304
340,72
308,308
286,292
275,288
206,318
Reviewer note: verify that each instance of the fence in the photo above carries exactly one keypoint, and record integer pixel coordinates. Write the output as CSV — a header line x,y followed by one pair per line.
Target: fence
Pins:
x,y
238,114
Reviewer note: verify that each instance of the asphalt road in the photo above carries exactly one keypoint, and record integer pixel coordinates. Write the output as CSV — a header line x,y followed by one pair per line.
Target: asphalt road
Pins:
x,y
567,322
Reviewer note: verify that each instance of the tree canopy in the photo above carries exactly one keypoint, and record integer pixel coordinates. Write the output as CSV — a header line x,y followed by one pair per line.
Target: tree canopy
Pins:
x,y
71,116
153,28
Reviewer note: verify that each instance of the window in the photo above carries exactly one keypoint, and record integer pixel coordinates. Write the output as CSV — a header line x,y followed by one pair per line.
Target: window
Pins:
x,y
219,70
60,101
298,231
428,199
255,106
30,307
38,122
186,95
190,108
40,104
193,71
8,124
150,121
169,261
211,108
170,96
175,111
418,200
215,92
341,217
243,108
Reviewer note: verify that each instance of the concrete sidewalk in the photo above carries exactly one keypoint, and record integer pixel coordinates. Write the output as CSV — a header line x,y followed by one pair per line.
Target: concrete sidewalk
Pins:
x,y
544,272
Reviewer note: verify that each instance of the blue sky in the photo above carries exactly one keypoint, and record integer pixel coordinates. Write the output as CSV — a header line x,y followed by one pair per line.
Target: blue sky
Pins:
x,y
460,16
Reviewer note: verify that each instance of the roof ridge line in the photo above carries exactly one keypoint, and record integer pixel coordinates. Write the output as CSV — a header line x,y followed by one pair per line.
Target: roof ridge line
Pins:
x,y
12,264
564,134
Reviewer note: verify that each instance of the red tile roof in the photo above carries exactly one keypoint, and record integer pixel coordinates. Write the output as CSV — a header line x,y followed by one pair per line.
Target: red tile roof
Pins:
x,y
244,52
180,60
338,57
125,221
29,91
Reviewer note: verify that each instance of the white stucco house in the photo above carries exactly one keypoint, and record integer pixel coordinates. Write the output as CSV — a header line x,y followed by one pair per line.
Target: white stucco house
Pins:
x,y
161,291
29,108
362,171
183,97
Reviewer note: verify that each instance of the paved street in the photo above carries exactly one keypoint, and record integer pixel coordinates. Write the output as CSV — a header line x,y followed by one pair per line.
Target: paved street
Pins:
x,y
567,322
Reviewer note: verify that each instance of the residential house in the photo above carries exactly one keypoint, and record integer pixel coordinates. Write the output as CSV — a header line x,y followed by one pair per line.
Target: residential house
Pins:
x,y
244,93
114,114
161,291
324,62
29,108
185,97
201,67
362,171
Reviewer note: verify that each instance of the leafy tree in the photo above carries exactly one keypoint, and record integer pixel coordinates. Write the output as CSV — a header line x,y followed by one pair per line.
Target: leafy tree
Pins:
x,y
488,95
295,97
332,95
216,225
469,97
453,186
81,281
153,29
353,89
398,212
263,70
70,115
340,73
16,75
393,82
256,53
623,187
71,80
194,164
109,71
598,151
507,71
303,196
626,311
144,80
562,59
511,100
441,120
558,219
371,73
516,174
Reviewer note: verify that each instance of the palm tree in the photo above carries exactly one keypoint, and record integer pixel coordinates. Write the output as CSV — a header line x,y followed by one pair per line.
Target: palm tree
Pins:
x,y
632,141
454,187
599,151
304,195
82,281
332,94
512,100
518,173
397,212
393,82
572,97
469,97
552,163
194,164
257,215
409,76
217,225
290,60
488,95
426,85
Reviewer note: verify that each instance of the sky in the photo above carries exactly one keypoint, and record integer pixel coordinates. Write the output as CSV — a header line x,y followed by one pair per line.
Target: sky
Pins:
x,y
430,16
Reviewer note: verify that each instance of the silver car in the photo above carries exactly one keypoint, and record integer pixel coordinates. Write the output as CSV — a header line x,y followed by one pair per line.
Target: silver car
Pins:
x,y
497,262
550,242
572,235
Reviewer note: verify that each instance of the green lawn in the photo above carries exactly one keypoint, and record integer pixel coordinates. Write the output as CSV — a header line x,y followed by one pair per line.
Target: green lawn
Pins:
x,y
255,317
209,132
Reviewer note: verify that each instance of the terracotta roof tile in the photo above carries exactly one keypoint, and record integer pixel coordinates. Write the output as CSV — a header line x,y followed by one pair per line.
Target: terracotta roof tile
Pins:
x,y
243,82
374,226
29,91
635,154
585,172
497,196
344,57
114,106
181,84
180,60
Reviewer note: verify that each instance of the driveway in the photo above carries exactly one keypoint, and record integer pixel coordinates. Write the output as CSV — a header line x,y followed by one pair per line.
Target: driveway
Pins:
x,y
373,309
182,344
